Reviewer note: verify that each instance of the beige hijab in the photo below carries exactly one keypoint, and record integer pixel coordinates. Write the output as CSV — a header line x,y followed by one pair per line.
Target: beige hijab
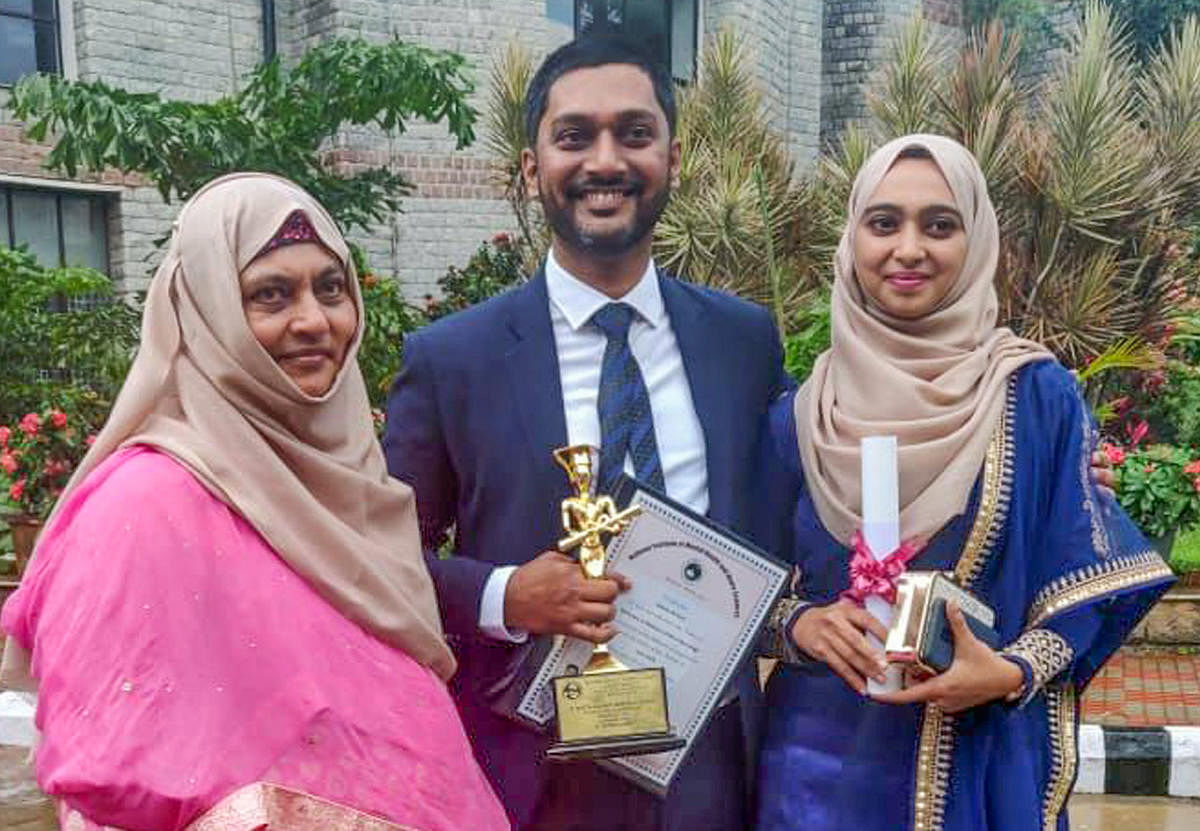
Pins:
x,y
938,383
306,472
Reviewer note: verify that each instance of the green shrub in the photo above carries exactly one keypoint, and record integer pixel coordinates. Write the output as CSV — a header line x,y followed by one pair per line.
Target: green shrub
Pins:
x,y
497,265
67,339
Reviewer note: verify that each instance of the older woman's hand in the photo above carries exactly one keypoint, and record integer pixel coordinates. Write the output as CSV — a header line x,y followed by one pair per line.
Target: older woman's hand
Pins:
x,y
977,676
836,635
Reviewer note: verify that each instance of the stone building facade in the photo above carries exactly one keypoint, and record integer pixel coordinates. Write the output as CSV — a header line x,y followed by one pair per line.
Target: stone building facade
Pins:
x,y
812,59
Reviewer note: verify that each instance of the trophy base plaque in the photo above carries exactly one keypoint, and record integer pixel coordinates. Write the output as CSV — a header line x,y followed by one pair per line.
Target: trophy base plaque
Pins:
x,y
612,713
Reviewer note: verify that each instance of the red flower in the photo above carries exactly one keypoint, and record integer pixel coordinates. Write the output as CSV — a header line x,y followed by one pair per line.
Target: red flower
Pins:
x,y
17,489
58,419
9,462
1137,431
1120,405
501,238
1116,455
56,467
90,440
5,435
30,424
1192,468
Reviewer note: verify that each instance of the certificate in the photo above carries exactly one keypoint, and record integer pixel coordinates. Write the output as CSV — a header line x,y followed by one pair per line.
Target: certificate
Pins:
x,y
699,597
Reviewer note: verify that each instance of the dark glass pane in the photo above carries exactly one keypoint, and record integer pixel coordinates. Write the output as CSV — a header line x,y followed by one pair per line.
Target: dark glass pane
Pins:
x,y
85,233
646,22
24,7
683,39
45,9
35,223
47,47
5,242
18,55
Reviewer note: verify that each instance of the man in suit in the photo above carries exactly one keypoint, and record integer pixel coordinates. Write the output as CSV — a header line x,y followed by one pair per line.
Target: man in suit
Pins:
x,y
669,379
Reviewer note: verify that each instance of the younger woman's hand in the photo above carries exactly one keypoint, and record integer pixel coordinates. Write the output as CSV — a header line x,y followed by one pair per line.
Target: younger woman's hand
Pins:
x,y
977,676
836,636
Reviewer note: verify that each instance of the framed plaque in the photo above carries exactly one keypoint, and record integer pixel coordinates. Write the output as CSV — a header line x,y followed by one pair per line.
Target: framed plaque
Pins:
x,y
700,596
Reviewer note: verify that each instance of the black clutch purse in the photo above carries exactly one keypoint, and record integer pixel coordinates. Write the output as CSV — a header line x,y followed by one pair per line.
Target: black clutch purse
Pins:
x,y
920,634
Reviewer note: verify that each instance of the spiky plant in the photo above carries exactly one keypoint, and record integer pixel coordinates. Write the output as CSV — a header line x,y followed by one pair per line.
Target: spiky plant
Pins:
x,y
1091,177
738,220
504,137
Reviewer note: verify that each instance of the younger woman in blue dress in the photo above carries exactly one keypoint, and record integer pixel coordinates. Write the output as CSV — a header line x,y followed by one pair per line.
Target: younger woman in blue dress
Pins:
x,y
994,449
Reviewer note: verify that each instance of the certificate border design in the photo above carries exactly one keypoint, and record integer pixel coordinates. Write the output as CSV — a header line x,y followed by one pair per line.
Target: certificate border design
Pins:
x,y
776,575
935,747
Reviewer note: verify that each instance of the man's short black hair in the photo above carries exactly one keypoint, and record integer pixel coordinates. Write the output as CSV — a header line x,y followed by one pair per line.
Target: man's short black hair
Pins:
x,y
596,47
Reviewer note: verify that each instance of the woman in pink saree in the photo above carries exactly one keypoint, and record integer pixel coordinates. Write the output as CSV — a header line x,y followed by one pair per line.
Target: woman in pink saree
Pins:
x,y
228,619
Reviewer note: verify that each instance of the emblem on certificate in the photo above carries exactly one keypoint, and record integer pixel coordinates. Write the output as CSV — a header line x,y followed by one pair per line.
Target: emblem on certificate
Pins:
x,y
606,709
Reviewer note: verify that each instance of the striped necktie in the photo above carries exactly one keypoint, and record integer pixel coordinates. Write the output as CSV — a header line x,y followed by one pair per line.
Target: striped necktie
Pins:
x,y
626,423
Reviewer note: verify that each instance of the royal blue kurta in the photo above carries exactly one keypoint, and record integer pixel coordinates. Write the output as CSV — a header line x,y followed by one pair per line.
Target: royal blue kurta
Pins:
x,y
1069,576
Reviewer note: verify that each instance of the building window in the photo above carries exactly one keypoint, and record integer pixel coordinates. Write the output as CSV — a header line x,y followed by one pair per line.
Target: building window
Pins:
x,y
29,39
58,227
666,28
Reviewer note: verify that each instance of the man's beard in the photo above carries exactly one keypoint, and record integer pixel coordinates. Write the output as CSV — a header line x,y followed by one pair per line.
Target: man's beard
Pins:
x,y
613,243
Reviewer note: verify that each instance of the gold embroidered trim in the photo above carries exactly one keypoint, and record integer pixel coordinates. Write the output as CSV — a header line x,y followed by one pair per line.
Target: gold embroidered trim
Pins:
x,y
1046,652
993,500
264,805
1064,755
933,769
936,746
776,639
1095,581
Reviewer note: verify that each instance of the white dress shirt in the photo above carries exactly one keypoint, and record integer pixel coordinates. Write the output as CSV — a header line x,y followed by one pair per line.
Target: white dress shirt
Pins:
x,y
580,348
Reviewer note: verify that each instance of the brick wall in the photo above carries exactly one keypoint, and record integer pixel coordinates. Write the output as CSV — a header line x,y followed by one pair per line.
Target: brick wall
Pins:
x,y
855,38
811,58
784,38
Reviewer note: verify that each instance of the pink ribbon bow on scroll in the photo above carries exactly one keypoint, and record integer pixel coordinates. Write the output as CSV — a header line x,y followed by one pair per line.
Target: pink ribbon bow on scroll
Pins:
x,y
870,576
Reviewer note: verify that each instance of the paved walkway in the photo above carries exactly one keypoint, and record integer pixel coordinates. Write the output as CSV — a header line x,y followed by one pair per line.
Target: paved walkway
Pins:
x,y
1142,688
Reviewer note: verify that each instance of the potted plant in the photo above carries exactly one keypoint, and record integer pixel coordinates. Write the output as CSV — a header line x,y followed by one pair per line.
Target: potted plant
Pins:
x,y
37,456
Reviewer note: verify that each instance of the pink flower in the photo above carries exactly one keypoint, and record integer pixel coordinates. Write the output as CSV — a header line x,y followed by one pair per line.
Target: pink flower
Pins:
x,y
58,419
501,238
5,435
55,468
17,490
1116,455
1120,405
9,462
1192,468
1137,431
30,424
90,440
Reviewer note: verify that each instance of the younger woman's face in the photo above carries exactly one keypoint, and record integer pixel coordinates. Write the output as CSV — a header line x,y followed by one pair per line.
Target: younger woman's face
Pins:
x,y
298,304
910,244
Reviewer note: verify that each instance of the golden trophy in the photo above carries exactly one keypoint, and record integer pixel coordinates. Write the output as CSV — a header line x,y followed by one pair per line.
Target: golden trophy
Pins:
x,y
608,709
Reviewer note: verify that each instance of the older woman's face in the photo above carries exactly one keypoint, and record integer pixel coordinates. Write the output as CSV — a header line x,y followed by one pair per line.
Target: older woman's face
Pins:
x,y
298,304
910,244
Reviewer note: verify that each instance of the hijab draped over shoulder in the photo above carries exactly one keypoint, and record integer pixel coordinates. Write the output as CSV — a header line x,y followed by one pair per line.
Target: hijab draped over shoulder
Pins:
x,y
305,471
938,383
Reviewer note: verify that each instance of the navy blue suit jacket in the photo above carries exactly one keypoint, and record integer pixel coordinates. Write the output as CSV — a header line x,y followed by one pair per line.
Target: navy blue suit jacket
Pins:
x,y
471,423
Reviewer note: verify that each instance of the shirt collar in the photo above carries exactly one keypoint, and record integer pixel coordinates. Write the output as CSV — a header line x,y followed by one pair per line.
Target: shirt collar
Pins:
x,y
577,301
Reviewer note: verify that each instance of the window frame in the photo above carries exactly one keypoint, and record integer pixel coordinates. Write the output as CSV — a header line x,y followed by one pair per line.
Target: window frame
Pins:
x,y
56,21
8,235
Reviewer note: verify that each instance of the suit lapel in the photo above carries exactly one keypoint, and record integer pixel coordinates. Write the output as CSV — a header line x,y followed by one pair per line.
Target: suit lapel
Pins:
x,y
532,365
704,361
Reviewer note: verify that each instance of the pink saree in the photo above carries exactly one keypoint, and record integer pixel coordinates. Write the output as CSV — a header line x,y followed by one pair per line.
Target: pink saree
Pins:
x,y
187,678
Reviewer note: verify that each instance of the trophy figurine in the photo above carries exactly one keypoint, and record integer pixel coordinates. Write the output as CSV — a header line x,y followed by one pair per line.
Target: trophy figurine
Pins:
x,y
608,709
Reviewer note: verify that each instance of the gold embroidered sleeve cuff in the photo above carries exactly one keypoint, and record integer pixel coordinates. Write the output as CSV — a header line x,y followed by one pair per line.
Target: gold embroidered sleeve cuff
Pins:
x,y
777,633
1045,652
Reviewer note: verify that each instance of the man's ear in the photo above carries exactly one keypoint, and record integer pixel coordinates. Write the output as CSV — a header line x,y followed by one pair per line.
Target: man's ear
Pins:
x,y
529,171
675,155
